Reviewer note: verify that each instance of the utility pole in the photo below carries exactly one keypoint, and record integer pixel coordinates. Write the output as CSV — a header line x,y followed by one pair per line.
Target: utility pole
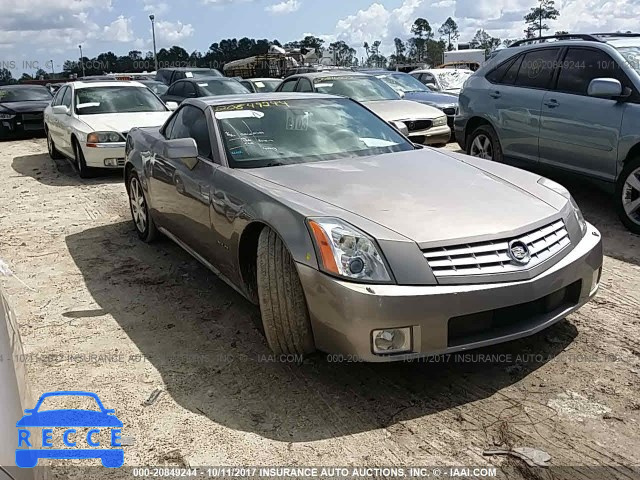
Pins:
x,y
81,59
153,32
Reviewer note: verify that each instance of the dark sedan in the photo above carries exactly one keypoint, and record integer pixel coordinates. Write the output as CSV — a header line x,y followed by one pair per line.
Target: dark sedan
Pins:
x,y
22,110
413,89
202,87
156,87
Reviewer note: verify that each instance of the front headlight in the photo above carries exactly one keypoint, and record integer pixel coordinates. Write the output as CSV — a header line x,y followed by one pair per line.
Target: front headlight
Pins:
x,y
6,116
345,251
104,137
440,121
556,187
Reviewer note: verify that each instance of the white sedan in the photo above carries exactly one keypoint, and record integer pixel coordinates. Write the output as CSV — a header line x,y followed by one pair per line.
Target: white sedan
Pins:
x,y
89,121
447,80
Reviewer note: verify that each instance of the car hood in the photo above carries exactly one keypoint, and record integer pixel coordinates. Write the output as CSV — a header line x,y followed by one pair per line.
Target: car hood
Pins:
x,y
69,418
123,122
423,195
20,107
403,110
433,98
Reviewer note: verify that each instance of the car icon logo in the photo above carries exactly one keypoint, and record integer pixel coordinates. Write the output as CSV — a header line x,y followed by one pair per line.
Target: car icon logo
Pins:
x,y
78,445
519,252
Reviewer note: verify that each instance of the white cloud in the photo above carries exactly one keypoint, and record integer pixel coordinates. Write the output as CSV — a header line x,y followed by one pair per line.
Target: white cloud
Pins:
x,y
118,31
157,9
287,6
172,33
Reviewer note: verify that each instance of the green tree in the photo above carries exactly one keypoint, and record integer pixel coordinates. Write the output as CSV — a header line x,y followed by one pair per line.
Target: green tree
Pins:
x,y
485,41
422,32
6,78
536,17
43,74
449,29
343,54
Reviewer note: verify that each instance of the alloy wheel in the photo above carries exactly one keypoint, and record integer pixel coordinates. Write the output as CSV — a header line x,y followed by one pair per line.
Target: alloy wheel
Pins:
x,y
138,205
482,147
631,196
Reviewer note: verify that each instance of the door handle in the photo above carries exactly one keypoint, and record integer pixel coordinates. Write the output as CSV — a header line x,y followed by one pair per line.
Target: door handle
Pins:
x,y
495,94
552,103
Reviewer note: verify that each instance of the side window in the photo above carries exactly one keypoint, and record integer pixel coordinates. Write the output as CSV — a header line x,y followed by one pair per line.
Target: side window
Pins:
x,y
497,74
57,100
304,85
428,78
189,90
169,127
66,98
537,67
581,65
289,85
179,76
247,85
190,122
511,74
176,89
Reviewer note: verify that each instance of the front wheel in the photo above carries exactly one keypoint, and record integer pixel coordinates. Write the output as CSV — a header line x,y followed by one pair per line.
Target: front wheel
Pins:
x,y
282,304
483,143
145,226
51,147
628,195
81,163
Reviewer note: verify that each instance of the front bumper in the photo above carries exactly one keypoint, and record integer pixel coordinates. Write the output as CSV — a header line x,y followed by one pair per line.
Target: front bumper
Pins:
x,y
23,124
431,136
344,314
111,153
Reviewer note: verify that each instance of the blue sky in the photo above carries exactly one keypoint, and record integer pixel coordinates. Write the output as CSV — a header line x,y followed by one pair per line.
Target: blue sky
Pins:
x,y
44,30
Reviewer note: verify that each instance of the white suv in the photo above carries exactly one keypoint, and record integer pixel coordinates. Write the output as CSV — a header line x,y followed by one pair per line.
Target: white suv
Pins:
x,y
89,121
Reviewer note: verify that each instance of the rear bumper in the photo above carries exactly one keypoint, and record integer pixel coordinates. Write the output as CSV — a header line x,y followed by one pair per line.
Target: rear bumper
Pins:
x,y
22,125
95,157
445,319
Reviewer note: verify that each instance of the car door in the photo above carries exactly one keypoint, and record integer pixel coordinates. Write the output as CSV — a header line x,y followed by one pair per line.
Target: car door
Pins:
x,y
175,93
579,132
65,121
53,122
515,100
186,201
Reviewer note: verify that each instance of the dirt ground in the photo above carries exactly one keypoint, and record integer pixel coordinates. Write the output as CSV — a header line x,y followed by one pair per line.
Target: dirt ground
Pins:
x,y
152,317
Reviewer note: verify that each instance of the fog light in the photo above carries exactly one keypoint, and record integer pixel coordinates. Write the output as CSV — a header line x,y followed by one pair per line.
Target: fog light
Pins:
x,y
597,275
111,162
393,340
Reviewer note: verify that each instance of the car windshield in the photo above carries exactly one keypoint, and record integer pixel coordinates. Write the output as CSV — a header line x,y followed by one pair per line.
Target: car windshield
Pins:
x,y
24,94
631,55
116,99
266,85
452,79
222,87
158,88
273,133
362,89
404,83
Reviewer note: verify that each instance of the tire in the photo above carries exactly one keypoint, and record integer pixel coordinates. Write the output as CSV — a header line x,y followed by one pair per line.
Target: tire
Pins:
x,y
139,207
285,316
51,147
81,164
628,195
484,143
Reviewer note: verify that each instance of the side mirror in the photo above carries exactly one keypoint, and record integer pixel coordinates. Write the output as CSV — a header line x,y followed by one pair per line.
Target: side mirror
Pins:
x,y
400,126
171,105
60,110
184,149
604,88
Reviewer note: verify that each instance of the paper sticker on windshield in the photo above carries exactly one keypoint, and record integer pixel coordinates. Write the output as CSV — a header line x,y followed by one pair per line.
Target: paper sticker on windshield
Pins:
x,y
188,75
203,84
243,106
324,85
260,84
297,120
88,105
239,114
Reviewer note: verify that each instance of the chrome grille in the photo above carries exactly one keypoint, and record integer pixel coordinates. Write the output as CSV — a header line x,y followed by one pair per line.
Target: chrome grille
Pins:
x,y
490,258
417,125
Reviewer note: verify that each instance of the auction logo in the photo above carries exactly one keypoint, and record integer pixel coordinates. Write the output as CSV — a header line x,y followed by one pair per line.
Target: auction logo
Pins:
x,y
58,430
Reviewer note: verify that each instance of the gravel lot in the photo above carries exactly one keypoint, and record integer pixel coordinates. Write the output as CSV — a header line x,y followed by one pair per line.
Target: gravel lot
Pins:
x,y
154,318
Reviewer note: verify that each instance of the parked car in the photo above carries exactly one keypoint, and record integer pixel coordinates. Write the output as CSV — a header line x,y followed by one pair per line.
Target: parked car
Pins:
x,y
202,87
261,85
89,121
569,105
425,124
21,110
15,394
170,75
156,87
411,88
352,239
448,80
